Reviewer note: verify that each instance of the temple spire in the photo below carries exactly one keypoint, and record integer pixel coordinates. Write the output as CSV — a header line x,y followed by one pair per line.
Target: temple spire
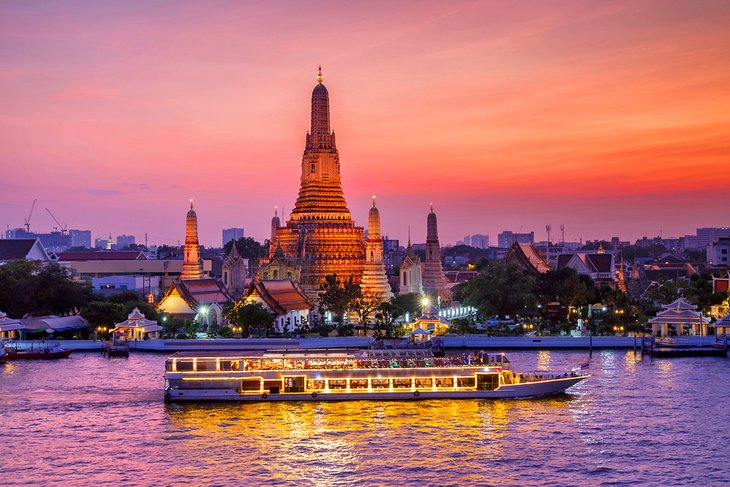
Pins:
x,y
320,78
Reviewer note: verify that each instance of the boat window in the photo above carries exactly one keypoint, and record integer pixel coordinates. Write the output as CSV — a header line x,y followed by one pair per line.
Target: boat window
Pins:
x,y
420,383
230,364
401,383
168,366
184,365
205,365
380,383
272,384
338,384
445,382
487,382
315,385
251,384
358,384
465,382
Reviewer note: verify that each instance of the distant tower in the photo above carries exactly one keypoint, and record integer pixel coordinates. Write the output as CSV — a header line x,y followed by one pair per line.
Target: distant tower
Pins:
x,y
374,279
275,223
191,266
410,271
434,280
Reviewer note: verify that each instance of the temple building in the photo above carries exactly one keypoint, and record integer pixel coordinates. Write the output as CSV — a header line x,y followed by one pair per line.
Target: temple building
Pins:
x,y
680,316
320,233
410,272
434,280
192,268
234,272
374,280
284,298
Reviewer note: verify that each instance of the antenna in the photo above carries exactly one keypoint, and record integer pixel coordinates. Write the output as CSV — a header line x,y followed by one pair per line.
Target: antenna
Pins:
x,y
562,234
549,229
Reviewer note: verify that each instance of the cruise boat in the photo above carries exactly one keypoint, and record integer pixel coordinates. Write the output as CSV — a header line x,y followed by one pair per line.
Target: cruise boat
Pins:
x,y
337,376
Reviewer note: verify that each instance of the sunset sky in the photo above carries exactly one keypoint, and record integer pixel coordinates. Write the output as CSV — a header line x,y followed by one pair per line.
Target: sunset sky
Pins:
x,y
612,118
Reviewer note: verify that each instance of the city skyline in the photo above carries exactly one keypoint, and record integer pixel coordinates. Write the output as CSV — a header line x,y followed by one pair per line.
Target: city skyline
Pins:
x,y
603,117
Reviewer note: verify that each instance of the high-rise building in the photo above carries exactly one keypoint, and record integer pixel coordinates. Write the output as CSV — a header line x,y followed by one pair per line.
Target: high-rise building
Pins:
x,y
507,238
434,280
320,233
480,241
374,280
80,238
192,268
124,241
101,243
232,234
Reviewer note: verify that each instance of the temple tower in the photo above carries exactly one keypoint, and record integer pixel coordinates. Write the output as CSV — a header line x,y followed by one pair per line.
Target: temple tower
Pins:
x,y
374,280
320,233
434,280
275,224
191,265
411,280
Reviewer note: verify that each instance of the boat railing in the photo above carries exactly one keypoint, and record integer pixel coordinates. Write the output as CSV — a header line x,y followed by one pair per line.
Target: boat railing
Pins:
x,y
32,346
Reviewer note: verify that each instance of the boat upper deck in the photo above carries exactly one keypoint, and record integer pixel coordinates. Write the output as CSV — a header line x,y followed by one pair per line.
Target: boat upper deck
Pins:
x,y
323,360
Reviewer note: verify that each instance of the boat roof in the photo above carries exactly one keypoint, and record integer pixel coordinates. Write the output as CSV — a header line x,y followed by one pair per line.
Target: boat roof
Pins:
x,y
305,354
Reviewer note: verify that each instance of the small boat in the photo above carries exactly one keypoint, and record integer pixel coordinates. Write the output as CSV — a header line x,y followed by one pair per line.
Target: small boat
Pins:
x,y
342,376
671,348
116,348
31,350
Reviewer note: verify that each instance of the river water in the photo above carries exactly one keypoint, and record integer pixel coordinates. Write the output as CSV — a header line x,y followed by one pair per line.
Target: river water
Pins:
x,y
90,420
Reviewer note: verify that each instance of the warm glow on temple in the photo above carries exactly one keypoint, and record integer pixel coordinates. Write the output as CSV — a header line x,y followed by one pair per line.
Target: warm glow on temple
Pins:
x,y
320,236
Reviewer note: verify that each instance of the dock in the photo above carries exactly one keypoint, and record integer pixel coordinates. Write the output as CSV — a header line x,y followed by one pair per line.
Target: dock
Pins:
x,y
684,347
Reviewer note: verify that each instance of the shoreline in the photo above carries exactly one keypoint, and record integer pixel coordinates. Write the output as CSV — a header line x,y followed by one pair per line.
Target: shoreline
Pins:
x,y
450,342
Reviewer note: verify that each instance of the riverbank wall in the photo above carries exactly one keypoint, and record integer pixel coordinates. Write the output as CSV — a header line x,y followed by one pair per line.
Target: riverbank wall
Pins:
x,y
339,343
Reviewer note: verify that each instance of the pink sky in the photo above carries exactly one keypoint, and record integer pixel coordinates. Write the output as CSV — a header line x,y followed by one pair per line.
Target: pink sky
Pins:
x,y
612,118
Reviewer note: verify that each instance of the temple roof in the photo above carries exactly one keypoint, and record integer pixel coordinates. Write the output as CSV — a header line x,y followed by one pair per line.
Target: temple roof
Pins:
x,y
281,296
13,249
199,291
679,312
526,255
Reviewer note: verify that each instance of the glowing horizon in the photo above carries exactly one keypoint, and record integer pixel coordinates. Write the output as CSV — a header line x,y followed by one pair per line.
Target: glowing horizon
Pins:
x,y
605,117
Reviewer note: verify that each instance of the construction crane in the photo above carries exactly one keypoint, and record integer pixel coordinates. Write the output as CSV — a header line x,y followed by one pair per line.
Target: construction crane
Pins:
x,y
60,226
27,220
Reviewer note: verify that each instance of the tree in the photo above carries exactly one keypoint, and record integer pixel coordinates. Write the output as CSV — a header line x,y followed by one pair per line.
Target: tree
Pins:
x,y
36,288
247,247
568,287
667,291
103,313
364,306
251,317
337,297
500,288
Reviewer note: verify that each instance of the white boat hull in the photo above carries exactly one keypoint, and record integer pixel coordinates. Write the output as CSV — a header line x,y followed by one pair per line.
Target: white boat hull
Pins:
x,y
523,390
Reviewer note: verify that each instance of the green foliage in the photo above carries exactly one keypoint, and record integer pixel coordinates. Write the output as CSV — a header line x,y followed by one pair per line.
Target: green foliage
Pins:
x,y
462,326
337,297
248,248
568,287
191,328
251,317
500,288
226,332
35,288
103,313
